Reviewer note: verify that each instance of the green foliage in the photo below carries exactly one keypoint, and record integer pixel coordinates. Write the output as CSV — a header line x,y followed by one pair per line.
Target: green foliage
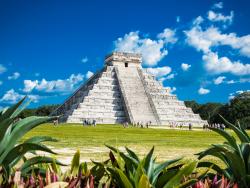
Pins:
x,y
238,109
127,170
11,132
207,111
235,155
45,110
193,104
75,163
245,122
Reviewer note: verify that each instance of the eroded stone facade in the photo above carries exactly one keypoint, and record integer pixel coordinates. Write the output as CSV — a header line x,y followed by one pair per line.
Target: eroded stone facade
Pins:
x,y
125,92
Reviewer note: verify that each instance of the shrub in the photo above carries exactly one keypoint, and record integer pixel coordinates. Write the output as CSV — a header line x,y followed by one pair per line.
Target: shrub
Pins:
x,y
11,150
234,155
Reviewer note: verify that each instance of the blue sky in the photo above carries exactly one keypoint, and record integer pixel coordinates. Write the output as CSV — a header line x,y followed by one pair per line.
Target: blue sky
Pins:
x,y
200,49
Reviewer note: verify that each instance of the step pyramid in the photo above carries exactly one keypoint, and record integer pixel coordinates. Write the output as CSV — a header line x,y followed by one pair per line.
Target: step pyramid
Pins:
x,y
125,92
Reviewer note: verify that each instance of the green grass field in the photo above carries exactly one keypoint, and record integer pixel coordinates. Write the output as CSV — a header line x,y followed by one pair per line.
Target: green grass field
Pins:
x,y
90,141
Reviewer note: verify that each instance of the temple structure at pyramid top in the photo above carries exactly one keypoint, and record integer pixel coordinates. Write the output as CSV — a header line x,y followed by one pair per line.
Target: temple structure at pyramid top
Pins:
x,y
125,92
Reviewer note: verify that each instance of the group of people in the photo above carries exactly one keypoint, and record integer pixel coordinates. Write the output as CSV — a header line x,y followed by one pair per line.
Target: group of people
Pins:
x,y
180,125
214,125
89,122
176,125
190,126
139,124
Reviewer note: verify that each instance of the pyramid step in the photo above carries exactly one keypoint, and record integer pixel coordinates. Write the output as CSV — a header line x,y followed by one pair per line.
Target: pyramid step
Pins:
x,y
98,120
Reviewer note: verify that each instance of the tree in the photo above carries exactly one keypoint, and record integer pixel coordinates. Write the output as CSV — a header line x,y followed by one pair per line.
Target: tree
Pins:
x,y
192,104
239,108
45,110
40,111
208,110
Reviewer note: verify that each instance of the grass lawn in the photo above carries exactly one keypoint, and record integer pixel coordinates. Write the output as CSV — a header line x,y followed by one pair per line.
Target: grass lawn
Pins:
x,y
90,141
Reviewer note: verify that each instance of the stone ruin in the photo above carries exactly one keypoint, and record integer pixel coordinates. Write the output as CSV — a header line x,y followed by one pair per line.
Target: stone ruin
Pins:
x,y
122,91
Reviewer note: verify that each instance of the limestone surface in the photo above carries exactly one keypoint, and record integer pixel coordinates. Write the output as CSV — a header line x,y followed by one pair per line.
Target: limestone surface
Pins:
x,y
125,92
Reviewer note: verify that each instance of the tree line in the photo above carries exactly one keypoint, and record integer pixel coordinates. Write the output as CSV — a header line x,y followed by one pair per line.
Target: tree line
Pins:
x,y
44,110
237,109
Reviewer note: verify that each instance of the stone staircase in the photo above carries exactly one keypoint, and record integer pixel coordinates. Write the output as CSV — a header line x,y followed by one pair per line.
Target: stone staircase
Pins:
x,y
136,99
169,109
101,101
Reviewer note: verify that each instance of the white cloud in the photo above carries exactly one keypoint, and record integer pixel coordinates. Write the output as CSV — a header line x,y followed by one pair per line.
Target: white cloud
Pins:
x,y
217,65
232,95
244,80
178,19
240,92
159,71
185,66
198,21
168,77
89,74
218,17
203,91
34,98
199,39
85,60
152,51
241,80
29,85
171,76
12,97
168,36
218,5
15,76
2,69
204,40
230,82
59,85
219,80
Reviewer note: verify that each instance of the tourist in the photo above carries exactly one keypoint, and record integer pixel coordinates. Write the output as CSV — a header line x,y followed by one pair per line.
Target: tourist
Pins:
x,y
170,125
138,124
126,124
141,124
223,126
190,126
89,122
55,122
94,122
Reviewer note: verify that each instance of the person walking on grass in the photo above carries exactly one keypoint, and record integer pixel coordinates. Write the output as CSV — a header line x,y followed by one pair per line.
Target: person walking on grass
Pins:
x,y
190,126
94,122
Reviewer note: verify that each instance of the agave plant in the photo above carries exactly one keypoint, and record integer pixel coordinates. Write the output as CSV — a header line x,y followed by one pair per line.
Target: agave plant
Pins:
x,y
234,153
128,171
12,150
